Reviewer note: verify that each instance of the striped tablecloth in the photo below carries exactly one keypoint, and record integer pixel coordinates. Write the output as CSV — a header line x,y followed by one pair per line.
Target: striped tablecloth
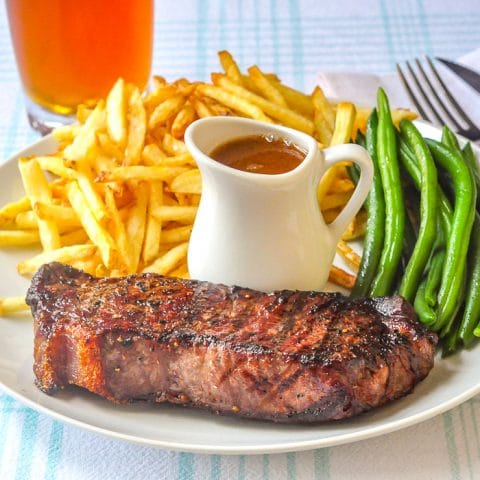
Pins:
x,y
296,39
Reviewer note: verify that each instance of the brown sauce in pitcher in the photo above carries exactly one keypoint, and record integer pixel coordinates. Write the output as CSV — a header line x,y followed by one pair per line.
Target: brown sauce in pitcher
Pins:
x,y
259,154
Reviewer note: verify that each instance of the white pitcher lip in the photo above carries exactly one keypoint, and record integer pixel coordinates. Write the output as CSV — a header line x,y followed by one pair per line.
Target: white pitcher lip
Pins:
x,y
301,139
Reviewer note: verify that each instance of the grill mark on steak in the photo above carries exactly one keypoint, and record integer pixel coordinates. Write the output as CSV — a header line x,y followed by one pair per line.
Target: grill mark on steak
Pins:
x,y
285,356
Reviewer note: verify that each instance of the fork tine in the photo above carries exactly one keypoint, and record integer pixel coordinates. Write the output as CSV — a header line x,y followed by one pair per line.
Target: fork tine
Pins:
x,y
424,94
437,97
411,94
457,107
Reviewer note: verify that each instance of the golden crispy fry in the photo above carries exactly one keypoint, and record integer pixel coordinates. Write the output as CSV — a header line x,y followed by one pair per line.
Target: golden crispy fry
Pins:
x,y
173,146
180,214
10,210
159,95
75,237
201,109
153,232
356,228
93,198
341,185
117,113
230,66
397,115
56,166
97,234
165,110
84,145
140,172
231,100
64,255
182,120
266,87
137,128
335,200
57,213
284,115
153,155
118,232
350,256
135,226
341,277
17,238
13,305
169,260
322,120
37,190
177,235
187,182
296,100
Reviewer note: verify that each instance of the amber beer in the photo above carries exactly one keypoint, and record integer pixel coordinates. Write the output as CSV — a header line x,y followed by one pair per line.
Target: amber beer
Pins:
x,y
72,51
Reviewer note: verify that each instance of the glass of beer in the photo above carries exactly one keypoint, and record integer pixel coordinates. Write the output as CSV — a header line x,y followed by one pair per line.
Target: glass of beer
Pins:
x,y
70,52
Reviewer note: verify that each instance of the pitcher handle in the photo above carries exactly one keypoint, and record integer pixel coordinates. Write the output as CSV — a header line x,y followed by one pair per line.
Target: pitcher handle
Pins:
x,y
358,155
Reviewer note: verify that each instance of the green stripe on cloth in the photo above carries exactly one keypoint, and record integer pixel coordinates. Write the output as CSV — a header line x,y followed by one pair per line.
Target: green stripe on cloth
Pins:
x,y
55,444
28,439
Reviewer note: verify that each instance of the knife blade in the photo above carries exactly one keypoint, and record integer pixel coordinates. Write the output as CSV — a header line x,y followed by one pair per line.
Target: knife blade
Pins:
x,y
466,74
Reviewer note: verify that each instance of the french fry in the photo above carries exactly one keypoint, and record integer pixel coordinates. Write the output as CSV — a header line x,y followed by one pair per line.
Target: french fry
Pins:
x,y
10,210
201,109
119,232
173,146
152,155
267,88
137,128
64,255
84,144
341,277
93,198
140,172
284,115
349,255
97,234
17,238
135,227
239,104
356,228
335,200
57,213
182,120
165,110
37,190
153,232
296,100
169,260
180,214
187,182
75,237
13,305
177,235
230,66
323,117
56,166
116,113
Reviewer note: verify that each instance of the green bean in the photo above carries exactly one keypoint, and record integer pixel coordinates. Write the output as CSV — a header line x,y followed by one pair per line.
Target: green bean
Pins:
x,y
450,139
375,206
428,210
471,161
423,309
469,326
410,163
435,269
394,205
462,221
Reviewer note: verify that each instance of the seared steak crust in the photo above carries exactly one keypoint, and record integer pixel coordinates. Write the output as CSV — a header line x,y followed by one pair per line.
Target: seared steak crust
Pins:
x,y
287,356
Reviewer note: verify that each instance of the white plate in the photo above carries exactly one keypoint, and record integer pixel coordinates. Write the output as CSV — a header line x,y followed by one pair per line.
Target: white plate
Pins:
x,y
452,381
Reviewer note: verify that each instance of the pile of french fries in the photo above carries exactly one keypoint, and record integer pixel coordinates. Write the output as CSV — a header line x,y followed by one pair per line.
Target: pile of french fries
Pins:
x,y
121,193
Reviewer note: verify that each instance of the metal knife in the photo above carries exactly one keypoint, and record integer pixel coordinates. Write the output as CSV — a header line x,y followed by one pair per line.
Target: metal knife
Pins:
x,y
466,74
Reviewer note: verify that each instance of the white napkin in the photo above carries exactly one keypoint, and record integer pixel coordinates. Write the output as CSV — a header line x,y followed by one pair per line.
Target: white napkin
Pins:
x,y
362,88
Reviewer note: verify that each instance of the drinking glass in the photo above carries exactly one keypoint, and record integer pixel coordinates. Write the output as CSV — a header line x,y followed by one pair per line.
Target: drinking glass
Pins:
x,y
72,51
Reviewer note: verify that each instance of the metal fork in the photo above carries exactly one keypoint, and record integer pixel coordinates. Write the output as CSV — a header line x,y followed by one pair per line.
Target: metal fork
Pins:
x,y
435,95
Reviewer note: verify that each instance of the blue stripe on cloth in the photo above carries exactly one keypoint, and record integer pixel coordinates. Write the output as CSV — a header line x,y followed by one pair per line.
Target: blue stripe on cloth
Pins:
x,y
297,44
291,466
422,16
5,413
241,467
274,20
186,465
451,445
201,49
388,33
266,467
27,442
55,445
322,463
215,468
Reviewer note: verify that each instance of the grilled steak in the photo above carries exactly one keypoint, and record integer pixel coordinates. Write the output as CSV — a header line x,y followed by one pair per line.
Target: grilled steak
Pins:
x,y
287,356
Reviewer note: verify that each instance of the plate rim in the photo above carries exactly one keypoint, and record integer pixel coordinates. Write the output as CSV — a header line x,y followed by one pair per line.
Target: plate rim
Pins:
x,y
295,446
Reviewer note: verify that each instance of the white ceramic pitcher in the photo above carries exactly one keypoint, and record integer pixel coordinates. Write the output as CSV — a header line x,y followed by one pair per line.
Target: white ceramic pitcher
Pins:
x,y
266,231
